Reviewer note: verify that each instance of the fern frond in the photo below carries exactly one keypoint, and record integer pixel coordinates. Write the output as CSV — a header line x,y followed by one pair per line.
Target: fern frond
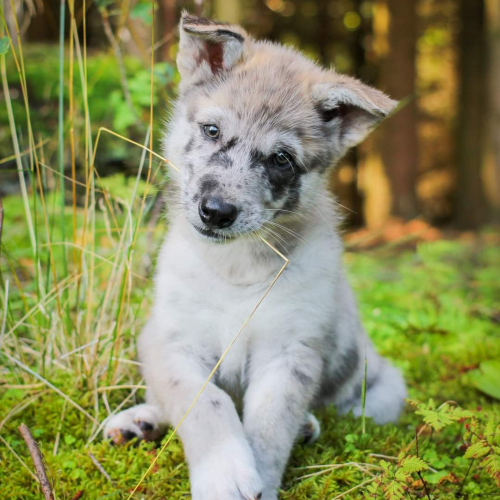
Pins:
x,y
411,464
477,450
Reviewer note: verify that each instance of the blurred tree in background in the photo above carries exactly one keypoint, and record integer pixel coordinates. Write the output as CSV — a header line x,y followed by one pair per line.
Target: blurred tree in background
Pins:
x,y
438,157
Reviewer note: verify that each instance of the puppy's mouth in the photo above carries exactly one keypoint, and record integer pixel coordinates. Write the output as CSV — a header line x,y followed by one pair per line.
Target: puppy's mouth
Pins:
x,y
213,235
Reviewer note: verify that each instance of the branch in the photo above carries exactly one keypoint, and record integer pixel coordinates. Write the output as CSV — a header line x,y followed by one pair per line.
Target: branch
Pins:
x,y
37,458
100,468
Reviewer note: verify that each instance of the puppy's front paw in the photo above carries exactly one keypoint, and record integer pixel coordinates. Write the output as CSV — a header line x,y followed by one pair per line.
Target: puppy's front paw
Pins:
x,y
227,473
310,431
139,422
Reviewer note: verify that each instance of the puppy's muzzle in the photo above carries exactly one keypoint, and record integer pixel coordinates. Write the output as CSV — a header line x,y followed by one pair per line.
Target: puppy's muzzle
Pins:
x,y
216,213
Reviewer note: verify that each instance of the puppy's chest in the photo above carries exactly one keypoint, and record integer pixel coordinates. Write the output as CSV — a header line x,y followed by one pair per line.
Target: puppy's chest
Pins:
x,y
212,311
222,313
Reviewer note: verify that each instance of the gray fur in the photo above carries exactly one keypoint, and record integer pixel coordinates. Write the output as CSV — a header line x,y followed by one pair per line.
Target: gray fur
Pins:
x,y
305,346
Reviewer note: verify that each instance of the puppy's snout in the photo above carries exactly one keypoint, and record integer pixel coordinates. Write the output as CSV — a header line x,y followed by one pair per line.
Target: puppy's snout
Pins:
x,y
217,213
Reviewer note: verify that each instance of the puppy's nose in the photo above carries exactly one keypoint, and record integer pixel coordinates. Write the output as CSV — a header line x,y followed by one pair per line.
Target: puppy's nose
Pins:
x,y
216,213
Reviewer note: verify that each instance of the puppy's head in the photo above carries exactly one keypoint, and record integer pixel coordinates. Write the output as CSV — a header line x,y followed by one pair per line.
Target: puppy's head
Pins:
x,y
255,128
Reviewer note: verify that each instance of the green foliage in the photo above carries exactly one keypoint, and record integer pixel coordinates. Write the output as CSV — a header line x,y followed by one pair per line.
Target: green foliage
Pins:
x,y
107,104
429,310
486,378
394,481
483,436
439,418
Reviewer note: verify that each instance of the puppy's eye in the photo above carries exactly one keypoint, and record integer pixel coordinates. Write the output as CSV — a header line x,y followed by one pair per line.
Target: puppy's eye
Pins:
x,y
282,159
211,131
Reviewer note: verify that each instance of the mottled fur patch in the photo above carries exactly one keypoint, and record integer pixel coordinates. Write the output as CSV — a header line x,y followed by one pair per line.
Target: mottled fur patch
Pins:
x,y
255,128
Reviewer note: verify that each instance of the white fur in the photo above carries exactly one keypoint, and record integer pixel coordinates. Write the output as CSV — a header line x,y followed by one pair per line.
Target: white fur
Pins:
x,y
304,347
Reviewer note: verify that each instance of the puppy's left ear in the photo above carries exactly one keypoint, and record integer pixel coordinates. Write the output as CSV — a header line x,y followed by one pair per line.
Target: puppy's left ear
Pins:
x,y
207,48
350,108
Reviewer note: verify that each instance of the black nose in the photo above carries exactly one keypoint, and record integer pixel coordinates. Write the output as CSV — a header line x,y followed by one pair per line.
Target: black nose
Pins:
x,y
216,213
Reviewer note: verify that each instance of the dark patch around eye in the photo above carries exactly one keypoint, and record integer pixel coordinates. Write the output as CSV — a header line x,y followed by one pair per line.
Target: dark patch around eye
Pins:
x,y
256,158
229,145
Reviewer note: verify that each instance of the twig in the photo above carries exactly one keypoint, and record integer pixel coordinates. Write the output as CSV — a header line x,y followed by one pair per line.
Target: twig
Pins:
x,y
387,457
78,495
459,493
37,458
418,472
100,468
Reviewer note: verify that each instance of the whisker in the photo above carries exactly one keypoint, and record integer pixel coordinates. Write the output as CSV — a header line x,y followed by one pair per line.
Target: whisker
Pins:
x,y
288,230
276,235
329,198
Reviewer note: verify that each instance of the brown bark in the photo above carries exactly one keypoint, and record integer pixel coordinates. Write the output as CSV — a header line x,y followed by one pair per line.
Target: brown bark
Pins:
x,y
37,457
168,23
471,206
493,17
400,140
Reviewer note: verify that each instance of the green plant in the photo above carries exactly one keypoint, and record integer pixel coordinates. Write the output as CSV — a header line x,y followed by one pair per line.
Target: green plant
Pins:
x,y
439,417
483,437
394,481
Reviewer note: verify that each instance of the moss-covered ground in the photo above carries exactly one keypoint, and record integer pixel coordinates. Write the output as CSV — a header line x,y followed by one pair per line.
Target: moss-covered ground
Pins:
x,y
434,309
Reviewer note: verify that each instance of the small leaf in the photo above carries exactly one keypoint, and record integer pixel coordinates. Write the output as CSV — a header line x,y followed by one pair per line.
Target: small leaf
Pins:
x,y
477,450
69,440
394,491
403,476
492,466
489,430
413,464
486,378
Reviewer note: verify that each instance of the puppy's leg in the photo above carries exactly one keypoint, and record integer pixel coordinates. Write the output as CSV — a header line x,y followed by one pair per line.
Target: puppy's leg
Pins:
x,y
282,386
221,462
385,395
310,430
139,422
345,367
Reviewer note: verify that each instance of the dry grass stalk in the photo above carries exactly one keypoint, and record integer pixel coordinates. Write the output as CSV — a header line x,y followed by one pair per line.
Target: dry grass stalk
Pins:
x,y
100,468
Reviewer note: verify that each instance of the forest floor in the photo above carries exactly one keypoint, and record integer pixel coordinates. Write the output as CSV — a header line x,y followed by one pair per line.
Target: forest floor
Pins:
x,y
432,307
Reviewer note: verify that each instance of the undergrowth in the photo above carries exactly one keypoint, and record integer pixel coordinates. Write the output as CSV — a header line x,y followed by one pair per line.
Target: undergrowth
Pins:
x,y
76,257
433,311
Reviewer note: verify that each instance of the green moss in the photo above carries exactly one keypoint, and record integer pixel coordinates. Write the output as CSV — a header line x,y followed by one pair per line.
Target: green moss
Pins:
x,y
431,311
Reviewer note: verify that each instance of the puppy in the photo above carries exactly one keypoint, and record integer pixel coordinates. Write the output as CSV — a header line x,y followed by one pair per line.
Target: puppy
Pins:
x,y
254,132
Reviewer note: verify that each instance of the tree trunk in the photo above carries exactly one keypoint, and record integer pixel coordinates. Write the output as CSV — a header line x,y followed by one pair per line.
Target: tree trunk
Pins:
x,y
493,166
168,22
400,139
471,206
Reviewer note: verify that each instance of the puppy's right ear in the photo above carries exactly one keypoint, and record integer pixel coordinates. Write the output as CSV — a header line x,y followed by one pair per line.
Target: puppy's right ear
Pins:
x,y
207,48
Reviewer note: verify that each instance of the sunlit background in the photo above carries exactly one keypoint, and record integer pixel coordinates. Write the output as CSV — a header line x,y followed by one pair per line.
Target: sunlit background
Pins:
x,y
437,160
